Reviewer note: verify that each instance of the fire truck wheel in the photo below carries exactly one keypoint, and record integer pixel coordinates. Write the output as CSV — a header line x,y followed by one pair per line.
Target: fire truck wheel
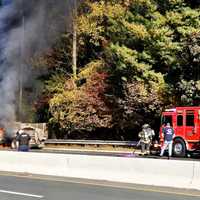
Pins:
x,y
179,148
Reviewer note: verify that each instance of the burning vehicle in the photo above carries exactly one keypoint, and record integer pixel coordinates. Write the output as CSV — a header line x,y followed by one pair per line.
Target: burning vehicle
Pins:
x,y
37,131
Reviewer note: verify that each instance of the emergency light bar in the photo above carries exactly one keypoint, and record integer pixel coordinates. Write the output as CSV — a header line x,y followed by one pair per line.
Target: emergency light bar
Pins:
x,y
171,110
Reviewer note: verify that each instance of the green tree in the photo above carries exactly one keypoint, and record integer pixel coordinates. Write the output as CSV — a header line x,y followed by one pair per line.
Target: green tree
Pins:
x,y
109,32
137,57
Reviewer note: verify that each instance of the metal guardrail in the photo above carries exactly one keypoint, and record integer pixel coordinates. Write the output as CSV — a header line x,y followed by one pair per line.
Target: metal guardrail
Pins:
x,y
90,142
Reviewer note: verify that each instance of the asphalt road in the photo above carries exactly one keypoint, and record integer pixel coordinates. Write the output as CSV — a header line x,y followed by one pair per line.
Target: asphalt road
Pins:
x,y
112,154
129,154
29,187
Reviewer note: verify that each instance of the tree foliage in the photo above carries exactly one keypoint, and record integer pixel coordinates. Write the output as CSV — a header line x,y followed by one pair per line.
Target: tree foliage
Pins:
x,y
83,107
135,57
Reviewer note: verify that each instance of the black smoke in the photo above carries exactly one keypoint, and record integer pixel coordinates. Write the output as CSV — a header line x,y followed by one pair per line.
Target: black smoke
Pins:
x,y
27,28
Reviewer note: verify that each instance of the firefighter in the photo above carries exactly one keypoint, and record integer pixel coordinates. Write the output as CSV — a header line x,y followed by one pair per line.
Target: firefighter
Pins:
x,y
23,139
14,142
146,136
168,134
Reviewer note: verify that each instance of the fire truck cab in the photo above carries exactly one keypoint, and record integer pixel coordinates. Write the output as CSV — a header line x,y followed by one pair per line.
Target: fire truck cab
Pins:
x,y
186,124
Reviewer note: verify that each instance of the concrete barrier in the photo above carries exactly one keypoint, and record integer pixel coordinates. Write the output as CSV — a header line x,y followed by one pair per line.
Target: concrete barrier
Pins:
x,y
196,176
158,172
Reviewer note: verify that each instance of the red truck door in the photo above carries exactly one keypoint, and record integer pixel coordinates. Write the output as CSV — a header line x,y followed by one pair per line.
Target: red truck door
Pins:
x,y
167,117
180,125
191,126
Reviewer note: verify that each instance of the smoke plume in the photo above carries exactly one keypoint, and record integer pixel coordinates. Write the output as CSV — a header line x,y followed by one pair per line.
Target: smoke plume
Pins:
x,y
27,27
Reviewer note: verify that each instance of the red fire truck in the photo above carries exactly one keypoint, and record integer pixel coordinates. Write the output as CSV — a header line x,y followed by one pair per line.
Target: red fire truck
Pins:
x,y
186,124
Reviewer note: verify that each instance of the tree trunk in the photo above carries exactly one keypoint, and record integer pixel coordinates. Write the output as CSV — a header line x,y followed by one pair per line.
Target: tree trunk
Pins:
x,y
74,51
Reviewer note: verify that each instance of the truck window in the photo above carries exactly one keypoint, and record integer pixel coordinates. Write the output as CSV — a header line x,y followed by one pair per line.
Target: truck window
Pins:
x,y
167,119
179,120
189,119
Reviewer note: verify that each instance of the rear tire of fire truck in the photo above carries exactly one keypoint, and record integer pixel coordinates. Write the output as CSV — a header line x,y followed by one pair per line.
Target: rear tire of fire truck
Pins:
x,y
179,148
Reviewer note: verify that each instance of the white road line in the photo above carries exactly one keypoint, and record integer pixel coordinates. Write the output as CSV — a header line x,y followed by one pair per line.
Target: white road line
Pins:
x,y
21,194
